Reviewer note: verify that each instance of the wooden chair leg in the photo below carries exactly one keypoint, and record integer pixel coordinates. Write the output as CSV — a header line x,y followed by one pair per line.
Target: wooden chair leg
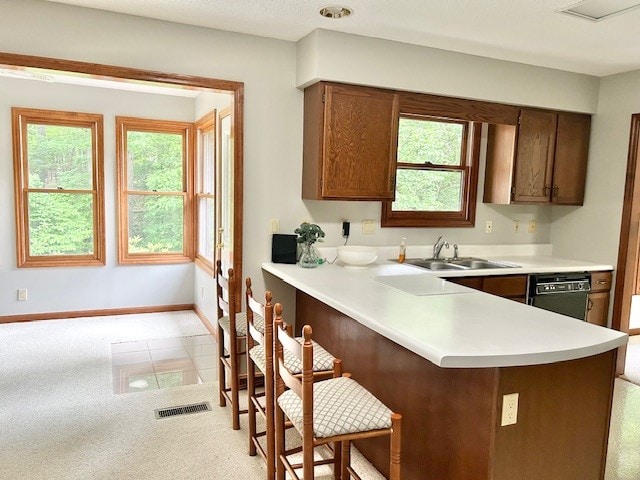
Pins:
x,y
307,458
346,459
251,409
337,460
279,434
235,386
394,468
270,425
222,381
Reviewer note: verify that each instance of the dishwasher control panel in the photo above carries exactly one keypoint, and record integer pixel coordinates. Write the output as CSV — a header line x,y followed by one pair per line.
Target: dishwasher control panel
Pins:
x,y
562,287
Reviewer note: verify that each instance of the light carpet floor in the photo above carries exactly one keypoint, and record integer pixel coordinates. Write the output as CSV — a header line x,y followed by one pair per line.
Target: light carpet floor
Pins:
x,y
632,364
59,419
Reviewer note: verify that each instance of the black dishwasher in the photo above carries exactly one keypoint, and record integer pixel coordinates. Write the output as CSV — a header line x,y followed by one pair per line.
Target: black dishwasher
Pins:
x,y
565,293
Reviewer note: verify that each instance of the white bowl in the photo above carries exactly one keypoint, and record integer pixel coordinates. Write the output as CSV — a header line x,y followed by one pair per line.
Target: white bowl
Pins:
x,y
357,255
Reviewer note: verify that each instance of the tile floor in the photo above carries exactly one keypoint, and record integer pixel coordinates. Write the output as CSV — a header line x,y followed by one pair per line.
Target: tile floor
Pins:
x,y
163,363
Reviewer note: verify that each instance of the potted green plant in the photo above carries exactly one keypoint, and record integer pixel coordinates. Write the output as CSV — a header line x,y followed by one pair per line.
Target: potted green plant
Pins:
x,y
308,234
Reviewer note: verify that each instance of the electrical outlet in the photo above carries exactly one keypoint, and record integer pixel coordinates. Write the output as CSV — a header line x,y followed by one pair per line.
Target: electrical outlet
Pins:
x,y
532,226
488,227
516,226
22,295
274,225
368,227
509,409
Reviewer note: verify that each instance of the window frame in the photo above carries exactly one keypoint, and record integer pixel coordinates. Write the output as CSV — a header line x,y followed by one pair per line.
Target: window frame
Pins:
x,y
136,124
470,158
21,118
204,125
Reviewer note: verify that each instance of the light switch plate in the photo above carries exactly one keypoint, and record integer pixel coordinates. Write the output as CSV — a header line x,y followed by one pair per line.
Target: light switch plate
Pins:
x,y
368,227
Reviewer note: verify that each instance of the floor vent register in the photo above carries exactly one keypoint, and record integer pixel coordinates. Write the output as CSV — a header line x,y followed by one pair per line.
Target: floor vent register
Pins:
x,y
183,410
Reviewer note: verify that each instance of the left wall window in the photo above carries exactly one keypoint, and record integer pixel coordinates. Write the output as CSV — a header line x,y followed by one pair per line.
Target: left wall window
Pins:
x,y
59,184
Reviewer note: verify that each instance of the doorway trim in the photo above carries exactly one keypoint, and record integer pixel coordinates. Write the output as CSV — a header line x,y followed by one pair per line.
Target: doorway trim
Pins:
x,y
126,73
628,250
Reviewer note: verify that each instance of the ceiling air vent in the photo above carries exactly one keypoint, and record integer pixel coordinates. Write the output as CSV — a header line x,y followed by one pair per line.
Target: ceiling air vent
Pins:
x,y
597,10
183,410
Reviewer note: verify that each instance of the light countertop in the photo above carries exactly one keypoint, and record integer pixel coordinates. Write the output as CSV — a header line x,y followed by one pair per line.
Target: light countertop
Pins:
x,y
451,325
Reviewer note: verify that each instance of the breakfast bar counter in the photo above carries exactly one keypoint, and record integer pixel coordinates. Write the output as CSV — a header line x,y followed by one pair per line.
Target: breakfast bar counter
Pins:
x,y
444,355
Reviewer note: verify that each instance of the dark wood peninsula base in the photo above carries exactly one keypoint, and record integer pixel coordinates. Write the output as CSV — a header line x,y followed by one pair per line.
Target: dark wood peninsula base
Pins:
x,y
451,416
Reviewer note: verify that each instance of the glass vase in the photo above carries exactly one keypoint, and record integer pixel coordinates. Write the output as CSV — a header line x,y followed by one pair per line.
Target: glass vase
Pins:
x,y
308,257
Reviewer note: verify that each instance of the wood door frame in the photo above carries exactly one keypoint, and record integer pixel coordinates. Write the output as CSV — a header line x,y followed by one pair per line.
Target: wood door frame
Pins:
x,y
236,89
628,250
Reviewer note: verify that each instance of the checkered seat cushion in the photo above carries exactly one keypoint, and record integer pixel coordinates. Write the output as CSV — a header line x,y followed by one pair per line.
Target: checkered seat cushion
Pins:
x,y
340,406
322,360
241,323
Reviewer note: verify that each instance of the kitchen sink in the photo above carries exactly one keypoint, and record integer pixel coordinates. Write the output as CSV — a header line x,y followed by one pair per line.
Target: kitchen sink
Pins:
x,y
433,264
466,263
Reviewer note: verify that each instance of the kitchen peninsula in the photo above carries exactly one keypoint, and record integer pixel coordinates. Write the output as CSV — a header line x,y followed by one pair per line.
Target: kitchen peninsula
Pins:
x,y
444,356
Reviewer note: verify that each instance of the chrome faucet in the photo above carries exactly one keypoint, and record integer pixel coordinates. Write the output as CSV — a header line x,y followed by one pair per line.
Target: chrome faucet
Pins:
x,y
437,248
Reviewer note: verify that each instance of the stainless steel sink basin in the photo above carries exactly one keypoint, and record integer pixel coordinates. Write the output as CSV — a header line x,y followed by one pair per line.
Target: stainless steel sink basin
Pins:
x,y
479,263
466,263
433,264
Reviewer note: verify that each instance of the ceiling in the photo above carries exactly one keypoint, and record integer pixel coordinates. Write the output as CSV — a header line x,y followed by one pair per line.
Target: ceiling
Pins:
x,y
525,31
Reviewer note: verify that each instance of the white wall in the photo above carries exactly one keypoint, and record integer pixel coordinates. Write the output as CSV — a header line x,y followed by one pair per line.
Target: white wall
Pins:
x,y
273,105
592,232
207,101
328,55
84,288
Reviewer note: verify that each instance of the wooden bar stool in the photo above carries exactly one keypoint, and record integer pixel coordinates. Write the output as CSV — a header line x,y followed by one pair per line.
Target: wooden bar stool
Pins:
x,y
335,411
260,364
256,342
232,331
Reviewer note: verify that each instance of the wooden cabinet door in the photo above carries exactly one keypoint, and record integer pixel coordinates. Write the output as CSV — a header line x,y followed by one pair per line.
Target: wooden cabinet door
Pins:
x,y
471,282
598,308
534,156
360,143
510,286
570,165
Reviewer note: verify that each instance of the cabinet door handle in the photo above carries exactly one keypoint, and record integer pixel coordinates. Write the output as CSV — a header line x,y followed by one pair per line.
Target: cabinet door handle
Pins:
x,y
547,189
555,190
601,282
589,305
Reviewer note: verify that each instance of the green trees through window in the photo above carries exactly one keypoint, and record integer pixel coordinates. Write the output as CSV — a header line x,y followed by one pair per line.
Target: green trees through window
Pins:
x,y
155,164
436,173
58,168
154,158
60,158
425,150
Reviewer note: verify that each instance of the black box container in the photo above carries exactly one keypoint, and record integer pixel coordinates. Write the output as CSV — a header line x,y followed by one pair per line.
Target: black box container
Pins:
x,y
284,248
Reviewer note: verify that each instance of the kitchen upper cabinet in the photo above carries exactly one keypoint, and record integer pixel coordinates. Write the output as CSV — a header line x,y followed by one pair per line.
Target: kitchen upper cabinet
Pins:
x,y
570,166
598,300
542,160
534,156
350,142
